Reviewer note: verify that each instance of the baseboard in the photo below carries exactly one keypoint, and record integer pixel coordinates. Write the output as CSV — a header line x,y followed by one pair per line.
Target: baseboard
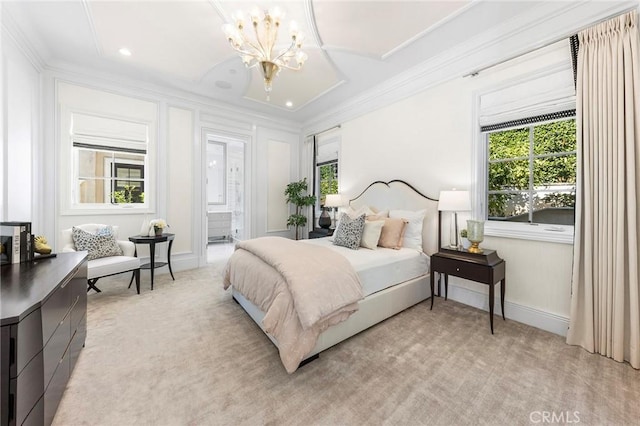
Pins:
x,y
180,262
553,323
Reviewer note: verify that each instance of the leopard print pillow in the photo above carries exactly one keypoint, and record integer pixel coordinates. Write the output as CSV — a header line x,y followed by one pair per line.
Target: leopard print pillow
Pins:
x,y
97,245
349,233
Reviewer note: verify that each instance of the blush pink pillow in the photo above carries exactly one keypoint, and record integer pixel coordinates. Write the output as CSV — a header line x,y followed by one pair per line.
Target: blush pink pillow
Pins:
x,y
392,233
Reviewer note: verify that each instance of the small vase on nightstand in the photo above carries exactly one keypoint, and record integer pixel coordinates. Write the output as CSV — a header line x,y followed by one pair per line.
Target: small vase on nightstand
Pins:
x,y
158,231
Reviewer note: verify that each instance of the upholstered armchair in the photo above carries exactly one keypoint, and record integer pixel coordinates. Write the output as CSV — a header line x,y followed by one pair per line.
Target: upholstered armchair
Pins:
x,y
107,255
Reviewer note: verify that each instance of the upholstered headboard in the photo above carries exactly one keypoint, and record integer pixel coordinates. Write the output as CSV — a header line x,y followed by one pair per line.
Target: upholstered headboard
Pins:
x,y
399,195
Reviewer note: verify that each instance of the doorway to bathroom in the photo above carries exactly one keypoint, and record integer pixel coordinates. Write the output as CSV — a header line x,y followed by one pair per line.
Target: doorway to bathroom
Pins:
x,y
225,189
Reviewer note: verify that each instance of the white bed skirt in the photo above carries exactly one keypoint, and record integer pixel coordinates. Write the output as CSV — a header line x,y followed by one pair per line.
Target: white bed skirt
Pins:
x,y
372,309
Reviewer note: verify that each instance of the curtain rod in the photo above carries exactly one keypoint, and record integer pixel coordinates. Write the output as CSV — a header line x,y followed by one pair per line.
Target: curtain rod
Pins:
x,y
495,64
476,72
326,130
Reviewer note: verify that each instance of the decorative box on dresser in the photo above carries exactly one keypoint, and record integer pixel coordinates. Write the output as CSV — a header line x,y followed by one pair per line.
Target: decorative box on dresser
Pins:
x,y
43,329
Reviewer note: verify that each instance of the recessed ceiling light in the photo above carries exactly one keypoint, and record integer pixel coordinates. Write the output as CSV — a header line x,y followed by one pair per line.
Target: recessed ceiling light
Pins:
x,y
289,104
124,51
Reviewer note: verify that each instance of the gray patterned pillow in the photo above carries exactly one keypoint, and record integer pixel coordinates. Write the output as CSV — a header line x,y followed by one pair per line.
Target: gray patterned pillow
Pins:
x,y
97,245
350,231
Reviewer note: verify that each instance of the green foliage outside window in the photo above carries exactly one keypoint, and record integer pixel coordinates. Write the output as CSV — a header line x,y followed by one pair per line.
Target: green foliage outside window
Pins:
x,y
128,195
553,161
328,180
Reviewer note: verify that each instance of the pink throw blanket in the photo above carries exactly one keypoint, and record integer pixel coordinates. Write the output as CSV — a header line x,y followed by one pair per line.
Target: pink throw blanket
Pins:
x,y
302,289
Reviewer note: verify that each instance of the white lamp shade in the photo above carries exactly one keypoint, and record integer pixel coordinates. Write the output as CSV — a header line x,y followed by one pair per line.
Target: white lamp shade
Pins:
x,y
454,201
333,200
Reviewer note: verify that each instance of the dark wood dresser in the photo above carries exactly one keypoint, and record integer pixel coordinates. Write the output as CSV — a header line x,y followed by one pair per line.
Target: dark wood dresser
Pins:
x,y
43,306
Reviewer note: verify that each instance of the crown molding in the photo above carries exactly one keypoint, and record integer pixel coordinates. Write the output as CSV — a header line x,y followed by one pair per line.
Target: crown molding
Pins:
x,y
12,31
555,20
94,34
118,84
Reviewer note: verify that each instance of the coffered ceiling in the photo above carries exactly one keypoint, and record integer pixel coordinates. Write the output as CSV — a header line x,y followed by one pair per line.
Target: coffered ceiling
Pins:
x,y
179,44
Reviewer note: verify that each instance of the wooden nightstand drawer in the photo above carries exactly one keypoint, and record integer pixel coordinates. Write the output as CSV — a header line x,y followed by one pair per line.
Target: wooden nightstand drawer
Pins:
x,y
464,270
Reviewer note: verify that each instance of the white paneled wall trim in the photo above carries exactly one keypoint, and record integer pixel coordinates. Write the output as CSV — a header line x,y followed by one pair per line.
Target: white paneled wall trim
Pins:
x,y
530,231
10,30
145,90
538,318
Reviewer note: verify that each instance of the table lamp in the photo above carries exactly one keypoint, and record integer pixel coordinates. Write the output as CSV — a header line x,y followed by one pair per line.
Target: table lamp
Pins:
x,y
333,201
454,201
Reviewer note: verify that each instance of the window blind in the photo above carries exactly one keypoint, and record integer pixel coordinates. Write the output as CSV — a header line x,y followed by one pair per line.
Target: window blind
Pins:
x,y
104,133
550,90
529,120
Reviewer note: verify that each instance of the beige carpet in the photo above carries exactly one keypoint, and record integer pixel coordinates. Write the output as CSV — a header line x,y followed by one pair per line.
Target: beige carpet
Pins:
x,y
186,354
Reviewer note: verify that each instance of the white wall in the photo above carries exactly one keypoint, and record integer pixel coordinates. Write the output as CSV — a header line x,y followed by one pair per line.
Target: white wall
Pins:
x,y
21,118
277,161
180,195
73,97
179,149
426,140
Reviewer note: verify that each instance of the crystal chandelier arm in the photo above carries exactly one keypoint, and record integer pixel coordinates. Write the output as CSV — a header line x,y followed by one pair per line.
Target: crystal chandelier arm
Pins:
x,y
257,50
261,50
284,52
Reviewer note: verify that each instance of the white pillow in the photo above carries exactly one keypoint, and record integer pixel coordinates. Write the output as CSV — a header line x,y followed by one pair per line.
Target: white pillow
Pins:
x,y
371,234
413,232
354,213
360,210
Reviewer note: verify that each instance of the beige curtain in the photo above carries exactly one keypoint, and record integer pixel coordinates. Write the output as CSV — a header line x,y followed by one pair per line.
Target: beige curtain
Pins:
x,y
605,303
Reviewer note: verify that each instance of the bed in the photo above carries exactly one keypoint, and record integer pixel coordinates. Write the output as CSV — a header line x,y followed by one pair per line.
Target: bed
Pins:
x,y
392,280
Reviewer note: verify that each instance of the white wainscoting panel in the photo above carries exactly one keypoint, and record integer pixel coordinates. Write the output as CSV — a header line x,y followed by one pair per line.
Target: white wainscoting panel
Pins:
x,y
179,201
278,165
547,321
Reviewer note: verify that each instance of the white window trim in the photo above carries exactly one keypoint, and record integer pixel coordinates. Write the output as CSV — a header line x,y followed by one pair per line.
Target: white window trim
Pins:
x,y
67,160
562,234
327,138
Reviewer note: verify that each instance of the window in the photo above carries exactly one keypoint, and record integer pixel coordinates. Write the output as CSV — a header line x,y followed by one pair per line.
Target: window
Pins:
x,y
109,161
128,185
327,166
107,175
531,173
525,147
108,152
327,179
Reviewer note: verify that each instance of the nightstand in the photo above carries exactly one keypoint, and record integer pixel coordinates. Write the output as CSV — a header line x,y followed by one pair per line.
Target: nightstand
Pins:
x,y
320,233
486,268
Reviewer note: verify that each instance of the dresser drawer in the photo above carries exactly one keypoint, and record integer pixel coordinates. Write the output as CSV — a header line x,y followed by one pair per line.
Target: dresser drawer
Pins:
x,y
53,392
56,347
36,416
27,343
55,309
77,342
26,389
466,270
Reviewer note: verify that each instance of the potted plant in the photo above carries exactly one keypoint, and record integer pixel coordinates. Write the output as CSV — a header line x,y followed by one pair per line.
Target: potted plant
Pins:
x,y
296,194
156,227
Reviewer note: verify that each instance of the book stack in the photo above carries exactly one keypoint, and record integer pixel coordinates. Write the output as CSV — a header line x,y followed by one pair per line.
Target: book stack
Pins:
x,y
16,242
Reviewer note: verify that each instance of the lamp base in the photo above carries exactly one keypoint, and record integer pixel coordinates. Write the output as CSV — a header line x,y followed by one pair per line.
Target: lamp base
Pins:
x,y
324,221
474,248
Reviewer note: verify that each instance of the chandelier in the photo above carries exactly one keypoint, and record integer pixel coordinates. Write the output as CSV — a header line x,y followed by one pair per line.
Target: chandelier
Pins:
x,y
259,50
